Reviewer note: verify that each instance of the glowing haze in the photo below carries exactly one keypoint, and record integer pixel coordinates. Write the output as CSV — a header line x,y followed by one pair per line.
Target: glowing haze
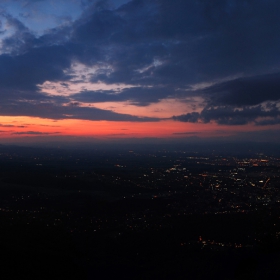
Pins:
x,y
138,69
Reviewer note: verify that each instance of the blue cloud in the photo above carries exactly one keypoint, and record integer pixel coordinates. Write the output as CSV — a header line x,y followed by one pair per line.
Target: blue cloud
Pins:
x,y
161,47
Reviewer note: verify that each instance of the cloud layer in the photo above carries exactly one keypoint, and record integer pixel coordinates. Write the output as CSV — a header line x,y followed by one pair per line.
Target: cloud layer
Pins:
x,y
224,52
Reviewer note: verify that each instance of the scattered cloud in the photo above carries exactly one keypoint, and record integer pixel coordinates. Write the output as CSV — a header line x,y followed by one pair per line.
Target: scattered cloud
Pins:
x,y
11,125
34,133
229,115
141,52
187,133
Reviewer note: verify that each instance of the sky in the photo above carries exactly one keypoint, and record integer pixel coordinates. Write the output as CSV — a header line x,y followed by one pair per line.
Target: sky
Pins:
x,y
124,69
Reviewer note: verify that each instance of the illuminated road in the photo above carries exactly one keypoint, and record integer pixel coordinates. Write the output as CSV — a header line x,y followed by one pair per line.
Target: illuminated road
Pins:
x,y
265,184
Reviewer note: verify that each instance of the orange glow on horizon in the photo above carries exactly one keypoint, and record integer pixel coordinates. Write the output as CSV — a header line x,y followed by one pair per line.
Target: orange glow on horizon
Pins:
x,y
14,127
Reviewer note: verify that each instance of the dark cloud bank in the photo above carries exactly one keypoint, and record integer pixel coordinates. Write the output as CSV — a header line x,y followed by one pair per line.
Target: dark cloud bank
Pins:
x,y
161,47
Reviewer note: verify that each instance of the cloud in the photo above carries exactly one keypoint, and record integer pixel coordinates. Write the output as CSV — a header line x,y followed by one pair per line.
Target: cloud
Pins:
x,y
228,115
187,133
195,40
20,40
161,48
11,125
231,116
25,71
240,101
34,133
245,91
189,117
273,121
51,111
140,96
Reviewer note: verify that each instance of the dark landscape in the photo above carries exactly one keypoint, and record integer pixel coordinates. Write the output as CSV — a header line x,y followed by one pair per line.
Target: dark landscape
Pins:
x,y
139,214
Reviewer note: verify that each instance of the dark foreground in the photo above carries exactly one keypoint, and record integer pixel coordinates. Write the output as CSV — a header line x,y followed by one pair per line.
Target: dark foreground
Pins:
x,y
139,215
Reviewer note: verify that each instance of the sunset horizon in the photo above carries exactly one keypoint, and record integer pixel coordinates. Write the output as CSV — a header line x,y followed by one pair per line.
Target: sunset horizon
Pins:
x,y
139,69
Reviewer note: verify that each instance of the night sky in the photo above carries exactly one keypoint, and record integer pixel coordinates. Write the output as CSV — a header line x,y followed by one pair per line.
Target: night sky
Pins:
x,y
140,69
